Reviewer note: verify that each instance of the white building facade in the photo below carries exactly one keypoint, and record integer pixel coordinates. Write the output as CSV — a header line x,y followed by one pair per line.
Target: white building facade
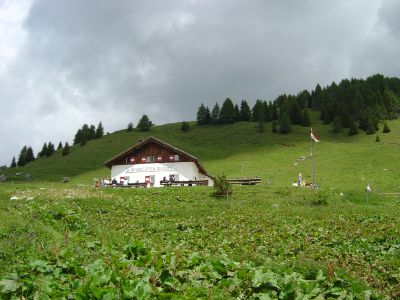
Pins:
x,y
155,163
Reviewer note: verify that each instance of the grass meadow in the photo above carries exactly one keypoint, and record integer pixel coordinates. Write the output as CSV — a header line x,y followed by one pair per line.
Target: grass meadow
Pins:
x,y
271,241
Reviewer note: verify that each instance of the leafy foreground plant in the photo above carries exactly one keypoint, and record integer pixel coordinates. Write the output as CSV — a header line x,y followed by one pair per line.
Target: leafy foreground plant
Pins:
x,y
138,272
222,186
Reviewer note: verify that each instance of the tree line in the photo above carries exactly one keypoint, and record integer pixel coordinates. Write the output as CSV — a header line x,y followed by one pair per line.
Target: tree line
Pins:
x,y
353,104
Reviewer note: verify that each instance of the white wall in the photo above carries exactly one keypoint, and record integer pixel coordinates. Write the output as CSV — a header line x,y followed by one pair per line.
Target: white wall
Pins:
x,y
182,170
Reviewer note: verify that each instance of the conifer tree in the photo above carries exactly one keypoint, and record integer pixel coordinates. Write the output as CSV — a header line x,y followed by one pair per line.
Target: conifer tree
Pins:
x,y
295,113
274,126
99,130
386,128
258,109
201,115
208,116
50,149
227,113
92,132
130,127
245,113
377,139
337,125
237,113
22,157
78,137
43,151
144,123
65,149
215,114
59,146
305,119
284,124
353,129
261,120
29,155
13,163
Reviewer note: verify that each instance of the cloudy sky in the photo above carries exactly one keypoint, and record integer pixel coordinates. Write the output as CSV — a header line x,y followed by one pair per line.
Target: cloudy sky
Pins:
x,y
68,62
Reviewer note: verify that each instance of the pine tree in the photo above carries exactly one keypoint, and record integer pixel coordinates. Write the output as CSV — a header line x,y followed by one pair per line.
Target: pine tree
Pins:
x,y
65,149
144,123
50,149
22,156
59,146
386,128
274,126
305,119
78,137
185,127
43,151
201,115
237,113
215,114
260,120
227,113
83,142
258,109
245,113
295,113
130,127
99,130
29,155
208,116
92,132
284,124
337,125
353,129
13,163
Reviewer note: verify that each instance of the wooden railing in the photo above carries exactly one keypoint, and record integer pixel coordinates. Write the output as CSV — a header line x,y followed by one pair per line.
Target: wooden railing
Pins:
x,y
245,181
183,183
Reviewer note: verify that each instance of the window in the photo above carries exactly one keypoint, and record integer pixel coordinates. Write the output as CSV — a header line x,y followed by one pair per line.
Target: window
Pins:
x,y
132,160
159,158
143,159
171,158
176,158
150,159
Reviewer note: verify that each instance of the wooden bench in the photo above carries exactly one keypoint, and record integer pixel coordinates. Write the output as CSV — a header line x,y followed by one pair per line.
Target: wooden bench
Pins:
x,y
183,183
245,181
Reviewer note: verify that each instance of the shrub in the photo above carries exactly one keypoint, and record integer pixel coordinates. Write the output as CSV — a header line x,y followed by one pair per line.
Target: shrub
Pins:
x,y
222,186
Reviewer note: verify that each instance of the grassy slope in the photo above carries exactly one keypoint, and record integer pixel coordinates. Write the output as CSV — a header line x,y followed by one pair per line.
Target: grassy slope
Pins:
x,y
341,162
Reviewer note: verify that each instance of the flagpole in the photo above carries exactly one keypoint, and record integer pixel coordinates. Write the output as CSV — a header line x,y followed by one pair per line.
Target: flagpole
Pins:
x,y
312,160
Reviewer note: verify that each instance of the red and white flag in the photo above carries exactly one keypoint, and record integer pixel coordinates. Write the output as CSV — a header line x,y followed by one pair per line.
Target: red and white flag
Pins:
x,y
313,137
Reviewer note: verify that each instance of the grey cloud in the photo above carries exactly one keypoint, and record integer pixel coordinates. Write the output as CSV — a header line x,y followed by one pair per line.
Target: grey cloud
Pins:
x,y
86,61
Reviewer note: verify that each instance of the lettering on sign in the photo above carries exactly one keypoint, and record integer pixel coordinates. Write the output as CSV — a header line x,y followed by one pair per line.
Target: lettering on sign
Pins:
x,y
151,169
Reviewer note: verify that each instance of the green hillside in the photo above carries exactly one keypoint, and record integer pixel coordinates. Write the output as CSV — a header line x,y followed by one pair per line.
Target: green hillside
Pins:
x,y
238,150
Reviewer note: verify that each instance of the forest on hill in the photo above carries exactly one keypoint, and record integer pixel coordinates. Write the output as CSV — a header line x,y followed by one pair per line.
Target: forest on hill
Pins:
x,y
353,104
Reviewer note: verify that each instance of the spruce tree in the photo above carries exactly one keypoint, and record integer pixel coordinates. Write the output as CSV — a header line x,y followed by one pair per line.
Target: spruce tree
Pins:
x,y
78,137
99,130
29,155
43,151
65,149
208,116
50,149
130,127
227,113
305,119
353,129
13,163
59,146
92,132
22,157
295,113
215,114
284,124
144,123
201,115
83,142
237,113
245,113
377,139
260,120
386,128
337,125
258,109
274,126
